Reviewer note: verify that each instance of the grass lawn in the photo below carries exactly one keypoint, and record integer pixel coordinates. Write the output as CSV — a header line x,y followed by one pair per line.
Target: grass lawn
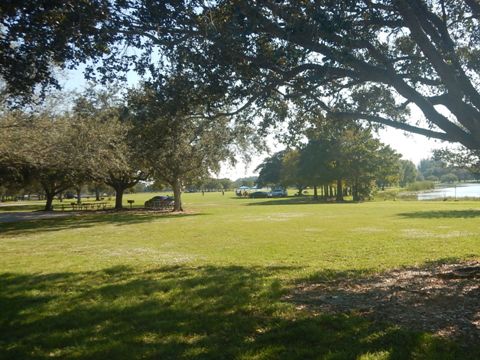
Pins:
x,y
212,283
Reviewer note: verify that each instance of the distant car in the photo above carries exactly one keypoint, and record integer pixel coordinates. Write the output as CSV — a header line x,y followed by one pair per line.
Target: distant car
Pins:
x,y
159,199
69,195
278,193
258,194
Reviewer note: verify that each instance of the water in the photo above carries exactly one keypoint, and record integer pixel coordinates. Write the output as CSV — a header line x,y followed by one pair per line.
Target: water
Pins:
x,y
463,190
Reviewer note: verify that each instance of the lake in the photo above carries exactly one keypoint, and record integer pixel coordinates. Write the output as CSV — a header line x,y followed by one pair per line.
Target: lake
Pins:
x,y
461,190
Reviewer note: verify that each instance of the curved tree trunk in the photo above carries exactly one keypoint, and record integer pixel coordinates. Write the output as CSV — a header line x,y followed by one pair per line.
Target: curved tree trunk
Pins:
x,y
177,194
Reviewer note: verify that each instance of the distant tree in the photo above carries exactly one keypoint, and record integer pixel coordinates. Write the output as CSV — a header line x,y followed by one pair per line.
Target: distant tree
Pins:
x,y
227,184
290,174
363,160
432,178
316,163
458,160
245,181
98,188
270,170
347,155
388,172
449,178
408,172
431,166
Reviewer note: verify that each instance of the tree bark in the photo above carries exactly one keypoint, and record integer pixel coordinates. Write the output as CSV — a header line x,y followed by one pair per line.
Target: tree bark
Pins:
x,y
339,190
355,191
119,197
79,195
97,194
177,195
315,192
49,196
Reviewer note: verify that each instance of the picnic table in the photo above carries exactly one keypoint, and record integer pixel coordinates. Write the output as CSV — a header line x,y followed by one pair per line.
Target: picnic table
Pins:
x,y
88,206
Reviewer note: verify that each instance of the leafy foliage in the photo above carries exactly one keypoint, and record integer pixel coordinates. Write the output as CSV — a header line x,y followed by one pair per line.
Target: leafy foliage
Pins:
x,y
351,60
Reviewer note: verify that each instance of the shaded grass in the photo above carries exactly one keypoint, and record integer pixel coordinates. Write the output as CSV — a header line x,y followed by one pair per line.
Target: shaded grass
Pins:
x,y
183,312
210,285
455,214
85,220
21,207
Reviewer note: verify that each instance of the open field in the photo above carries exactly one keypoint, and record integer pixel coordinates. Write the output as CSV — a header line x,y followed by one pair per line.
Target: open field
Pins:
x,y
221,281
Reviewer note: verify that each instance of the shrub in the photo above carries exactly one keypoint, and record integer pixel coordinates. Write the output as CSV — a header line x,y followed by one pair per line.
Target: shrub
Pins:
x,y
421,185
449,178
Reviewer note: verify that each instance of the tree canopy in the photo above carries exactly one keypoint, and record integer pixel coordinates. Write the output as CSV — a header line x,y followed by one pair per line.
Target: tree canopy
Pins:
x,y
178,144
59,151
368,60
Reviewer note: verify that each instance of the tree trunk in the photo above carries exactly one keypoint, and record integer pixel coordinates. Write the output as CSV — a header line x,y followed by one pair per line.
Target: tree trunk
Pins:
x,y
177,195
119,197
49,195
339,190
315,192
355,191
97,194
79,195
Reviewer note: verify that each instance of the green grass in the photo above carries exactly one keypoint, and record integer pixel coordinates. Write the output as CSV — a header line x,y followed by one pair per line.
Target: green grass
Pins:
x,y
209,284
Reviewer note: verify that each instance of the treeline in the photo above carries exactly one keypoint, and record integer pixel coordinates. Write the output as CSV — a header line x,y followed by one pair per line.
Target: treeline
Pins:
x,y
438,170
336,162
146,134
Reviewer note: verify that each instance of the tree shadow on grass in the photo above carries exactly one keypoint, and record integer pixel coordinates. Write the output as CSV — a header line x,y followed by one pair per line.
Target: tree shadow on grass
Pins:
x,y
440,297
21,207
181,312
296,200
439,214
86,221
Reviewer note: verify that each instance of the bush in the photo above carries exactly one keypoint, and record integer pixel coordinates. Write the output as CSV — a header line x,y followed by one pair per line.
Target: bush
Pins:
x,y
449,178
431,178
421,185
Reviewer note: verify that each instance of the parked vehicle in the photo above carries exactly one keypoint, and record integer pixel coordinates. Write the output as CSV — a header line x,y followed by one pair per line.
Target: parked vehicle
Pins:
x,y
258,194
159,201
278,193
